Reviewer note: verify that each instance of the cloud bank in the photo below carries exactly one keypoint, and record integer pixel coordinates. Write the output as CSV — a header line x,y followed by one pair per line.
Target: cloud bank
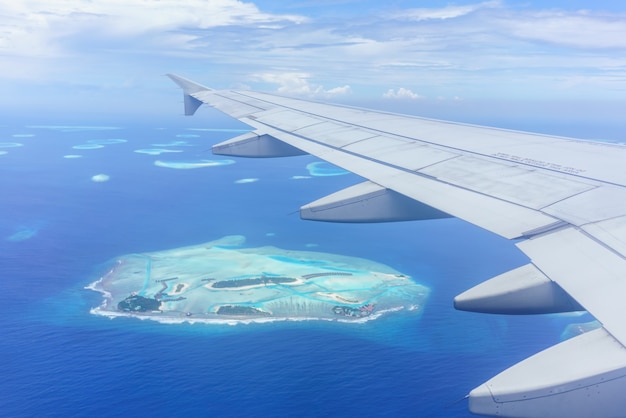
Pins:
x,y
352,49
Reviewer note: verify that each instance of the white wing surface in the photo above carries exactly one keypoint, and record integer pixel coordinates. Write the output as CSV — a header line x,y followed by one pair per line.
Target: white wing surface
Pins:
x,y
564,199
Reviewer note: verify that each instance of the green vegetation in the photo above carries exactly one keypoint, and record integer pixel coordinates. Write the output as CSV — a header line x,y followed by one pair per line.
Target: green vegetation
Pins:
x,y
136,303
241,310
252,282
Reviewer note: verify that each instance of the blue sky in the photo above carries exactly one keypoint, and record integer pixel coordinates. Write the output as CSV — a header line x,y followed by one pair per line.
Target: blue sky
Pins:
x,y
109,56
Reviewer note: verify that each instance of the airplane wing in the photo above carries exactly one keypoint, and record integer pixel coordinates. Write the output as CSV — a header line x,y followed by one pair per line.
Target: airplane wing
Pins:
x,y
563,200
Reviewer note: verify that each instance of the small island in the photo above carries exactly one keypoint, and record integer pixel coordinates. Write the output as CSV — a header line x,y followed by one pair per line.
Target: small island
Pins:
x,y
222,282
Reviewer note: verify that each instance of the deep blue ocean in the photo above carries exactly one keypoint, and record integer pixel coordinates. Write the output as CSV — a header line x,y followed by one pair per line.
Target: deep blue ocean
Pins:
x,y
59,229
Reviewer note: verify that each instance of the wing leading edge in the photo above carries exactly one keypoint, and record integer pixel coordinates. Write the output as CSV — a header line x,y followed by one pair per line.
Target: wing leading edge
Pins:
x,y
565,198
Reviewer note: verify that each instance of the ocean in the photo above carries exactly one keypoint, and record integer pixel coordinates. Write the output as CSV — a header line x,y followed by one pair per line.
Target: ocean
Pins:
x,y
77,194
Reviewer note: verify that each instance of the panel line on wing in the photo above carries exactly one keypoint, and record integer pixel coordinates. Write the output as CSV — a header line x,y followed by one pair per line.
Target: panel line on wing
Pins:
x,y
528,162
511,198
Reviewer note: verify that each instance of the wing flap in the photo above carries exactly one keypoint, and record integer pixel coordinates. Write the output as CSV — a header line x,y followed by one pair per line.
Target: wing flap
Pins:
x,y
592,206
611,232
589,271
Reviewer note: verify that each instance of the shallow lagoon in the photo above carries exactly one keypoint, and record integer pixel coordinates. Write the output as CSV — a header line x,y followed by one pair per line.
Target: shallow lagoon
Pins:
x,y
210,281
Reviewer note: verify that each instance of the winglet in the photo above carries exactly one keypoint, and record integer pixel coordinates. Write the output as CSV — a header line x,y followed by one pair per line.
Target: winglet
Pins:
x,y
189,87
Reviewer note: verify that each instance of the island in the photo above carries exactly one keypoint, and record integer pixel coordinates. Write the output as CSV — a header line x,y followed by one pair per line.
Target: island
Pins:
x,y
223,282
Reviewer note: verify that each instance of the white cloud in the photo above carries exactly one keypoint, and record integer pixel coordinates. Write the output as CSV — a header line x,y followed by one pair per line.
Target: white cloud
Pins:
x,y
298,84
401,93
580,29
39,27
481,49
448,12
338,91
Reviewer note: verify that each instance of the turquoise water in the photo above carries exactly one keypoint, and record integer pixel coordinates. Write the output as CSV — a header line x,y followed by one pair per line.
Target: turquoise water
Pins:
x,y
59,229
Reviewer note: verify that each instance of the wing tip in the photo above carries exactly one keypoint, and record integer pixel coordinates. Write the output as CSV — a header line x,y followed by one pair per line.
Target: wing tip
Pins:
x,y
188,86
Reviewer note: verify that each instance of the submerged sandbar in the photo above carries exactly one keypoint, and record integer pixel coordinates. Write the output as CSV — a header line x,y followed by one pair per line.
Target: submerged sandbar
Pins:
x,y
220,281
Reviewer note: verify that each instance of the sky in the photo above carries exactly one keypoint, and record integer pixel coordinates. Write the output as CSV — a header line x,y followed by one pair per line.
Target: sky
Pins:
x,y
563,58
